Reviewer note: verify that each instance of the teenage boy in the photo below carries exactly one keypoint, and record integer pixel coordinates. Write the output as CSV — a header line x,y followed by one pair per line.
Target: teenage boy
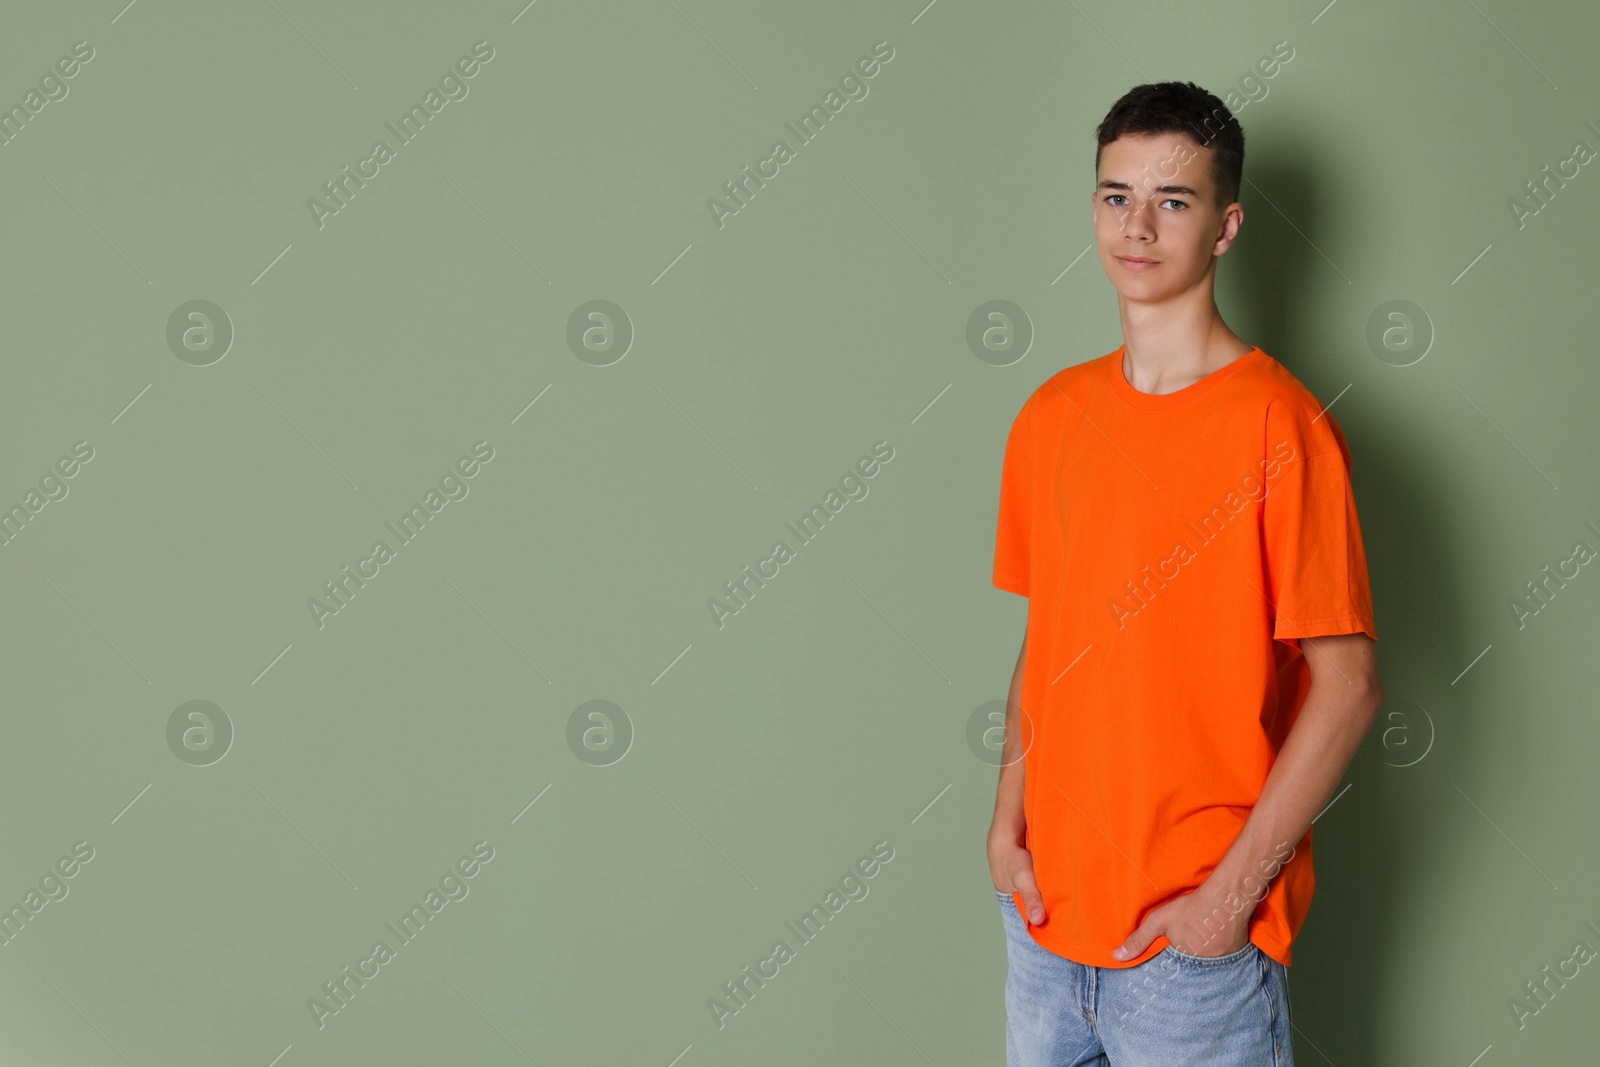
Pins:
x,y
1198,666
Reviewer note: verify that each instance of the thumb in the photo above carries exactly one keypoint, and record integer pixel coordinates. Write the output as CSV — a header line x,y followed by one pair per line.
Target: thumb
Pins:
x,y
1139,940
1032,899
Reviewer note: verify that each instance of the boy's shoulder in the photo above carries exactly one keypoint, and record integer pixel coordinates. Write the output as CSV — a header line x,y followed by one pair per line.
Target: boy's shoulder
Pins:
x,y
1070,383
1277,384
1292,411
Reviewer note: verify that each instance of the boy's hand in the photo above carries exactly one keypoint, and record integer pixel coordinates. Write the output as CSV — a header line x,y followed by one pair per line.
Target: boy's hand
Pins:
x,y
1011,867
1183,923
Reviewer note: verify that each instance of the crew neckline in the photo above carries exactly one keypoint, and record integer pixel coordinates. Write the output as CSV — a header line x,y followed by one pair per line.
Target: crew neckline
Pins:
x,y
1180,397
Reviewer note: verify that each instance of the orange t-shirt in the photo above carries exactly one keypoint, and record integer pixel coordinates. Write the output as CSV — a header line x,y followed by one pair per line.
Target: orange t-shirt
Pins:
x,y
1173,549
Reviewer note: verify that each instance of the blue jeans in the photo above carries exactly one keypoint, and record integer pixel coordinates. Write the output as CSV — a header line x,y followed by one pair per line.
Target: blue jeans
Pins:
x,y
1172,1010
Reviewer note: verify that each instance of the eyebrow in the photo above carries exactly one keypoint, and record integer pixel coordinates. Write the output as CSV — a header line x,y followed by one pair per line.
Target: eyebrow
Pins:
x,y
1112,183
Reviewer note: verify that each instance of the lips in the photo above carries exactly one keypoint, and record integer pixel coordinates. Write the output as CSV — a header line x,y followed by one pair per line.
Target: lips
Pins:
x,y
1137,262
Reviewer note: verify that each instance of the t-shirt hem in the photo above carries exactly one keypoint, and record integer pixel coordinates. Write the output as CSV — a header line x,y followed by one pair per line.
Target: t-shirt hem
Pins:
x,y
1011,584
1294,629
1091,957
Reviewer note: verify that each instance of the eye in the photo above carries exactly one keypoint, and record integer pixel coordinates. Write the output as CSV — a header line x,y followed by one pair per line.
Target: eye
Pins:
x,y
1120,200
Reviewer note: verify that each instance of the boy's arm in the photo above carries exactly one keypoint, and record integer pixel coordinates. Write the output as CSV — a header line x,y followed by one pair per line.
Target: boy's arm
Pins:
x,y
1010,864
1339,709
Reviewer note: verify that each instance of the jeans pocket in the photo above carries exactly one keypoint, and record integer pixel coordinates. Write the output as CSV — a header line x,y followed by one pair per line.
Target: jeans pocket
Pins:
x,y
1211,961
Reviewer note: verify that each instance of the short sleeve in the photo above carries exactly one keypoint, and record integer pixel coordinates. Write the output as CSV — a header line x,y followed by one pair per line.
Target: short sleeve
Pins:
x,y
1012,528
1316,565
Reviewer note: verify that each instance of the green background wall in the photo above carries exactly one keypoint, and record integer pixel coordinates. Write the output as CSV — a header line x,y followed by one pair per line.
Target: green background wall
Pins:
x,y
764,758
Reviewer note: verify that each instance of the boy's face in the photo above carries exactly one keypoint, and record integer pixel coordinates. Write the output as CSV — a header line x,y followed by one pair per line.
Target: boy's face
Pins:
x,y
1156,223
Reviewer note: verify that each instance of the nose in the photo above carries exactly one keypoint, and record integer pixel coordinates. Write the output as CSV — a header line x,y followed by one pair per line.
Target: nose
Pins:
x,y
1136,221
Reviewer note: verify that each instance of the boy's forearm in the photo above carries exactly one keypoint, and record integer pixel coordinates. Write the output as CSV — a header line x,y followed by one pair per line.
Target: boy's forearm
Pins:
x,y
1009,823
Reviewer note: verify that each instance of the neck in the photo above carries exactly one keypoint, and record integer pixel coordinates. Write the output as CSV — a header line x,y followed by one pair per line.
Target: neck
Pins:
x,y
1174,344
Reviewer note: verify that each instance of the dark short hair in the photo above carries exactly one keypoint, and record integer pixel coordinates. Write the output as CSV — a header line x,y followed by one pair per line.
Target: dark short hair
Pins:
x,y
1181,107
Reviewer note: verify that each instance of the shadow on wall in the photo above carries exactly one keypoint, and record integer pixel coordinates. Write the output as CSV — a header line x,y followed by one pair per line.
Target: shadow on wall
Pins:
x,y
1395,800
